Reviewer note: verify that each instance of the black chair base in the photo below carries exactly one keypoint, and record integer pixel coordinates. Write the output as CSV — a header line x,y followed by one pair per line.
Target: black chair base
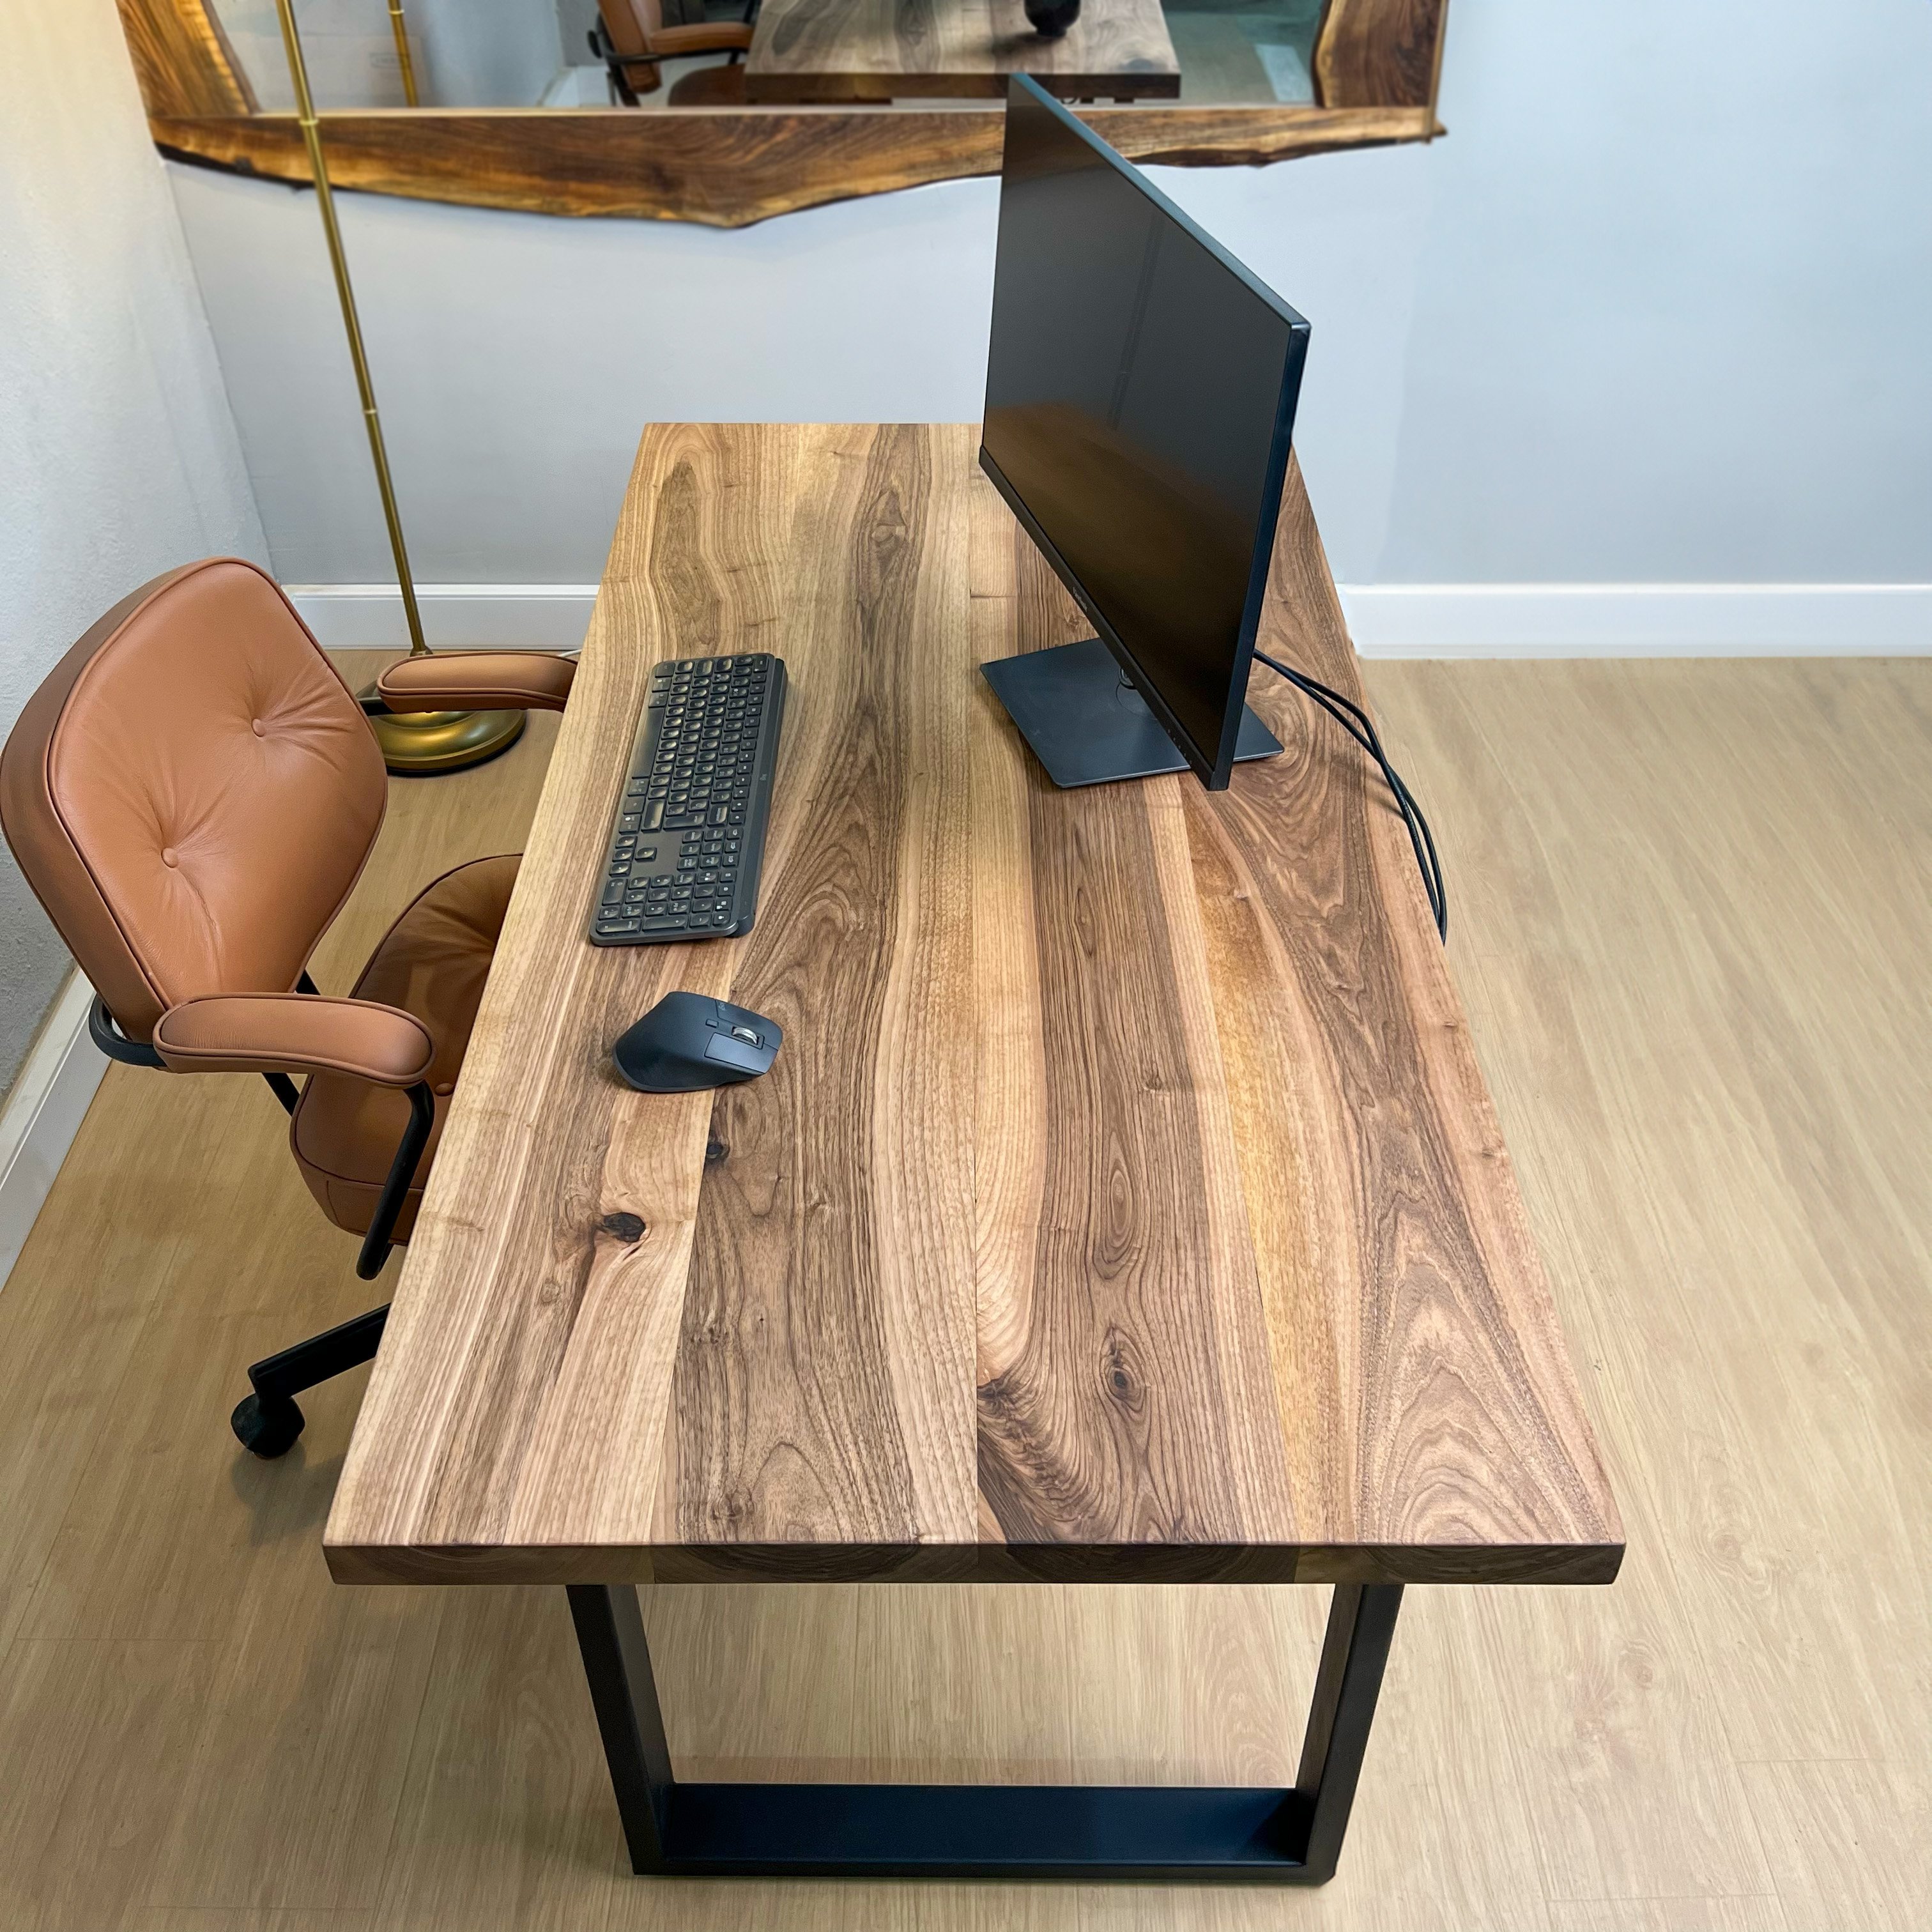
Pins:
x,y
267,1423
267,1429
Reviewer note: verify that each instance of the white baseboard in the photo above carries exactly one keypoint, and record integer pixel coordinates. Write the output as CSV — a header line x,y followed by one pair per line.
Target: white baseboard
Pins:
x,y
492,617
1638,620
44,1109
1387,620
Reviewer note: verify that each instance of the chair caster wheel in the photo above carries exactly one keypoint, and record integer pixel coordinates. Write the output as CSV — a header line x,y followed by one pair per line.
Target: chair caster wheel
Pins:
x,y
266,1425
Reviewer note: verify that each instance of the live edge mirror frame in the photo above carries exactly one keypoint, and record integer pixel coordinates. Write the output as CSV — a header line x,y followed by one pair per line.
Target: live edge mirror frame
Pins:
x,y
1375,67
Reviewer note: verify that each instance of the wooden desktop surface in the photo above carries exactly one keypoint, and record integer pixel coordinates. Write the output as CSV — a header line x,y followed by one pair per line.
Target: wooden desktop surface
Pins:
x,y
889,50
1126,1202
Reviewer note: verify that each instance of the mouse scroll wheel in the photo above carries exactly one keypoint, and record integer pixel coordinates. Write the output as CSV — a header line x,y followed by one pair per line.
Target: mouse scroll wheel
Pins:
x,y
747,1036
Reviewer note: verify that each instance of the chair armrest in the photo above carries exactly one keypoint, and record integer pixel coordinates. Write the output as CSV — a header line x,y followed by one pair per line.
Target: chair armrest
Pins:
x,y
703,37
295,1032
478,681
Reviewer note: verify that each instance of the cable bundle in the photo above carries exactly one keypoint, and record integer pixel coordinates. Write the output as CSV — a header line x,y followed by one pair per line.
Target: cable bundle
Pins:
x,y
1354,720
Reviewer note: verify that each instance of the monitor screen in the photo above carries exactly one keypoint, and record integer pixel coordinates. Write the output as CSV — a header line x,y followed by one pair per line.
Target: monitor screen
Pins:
x,y
1140,398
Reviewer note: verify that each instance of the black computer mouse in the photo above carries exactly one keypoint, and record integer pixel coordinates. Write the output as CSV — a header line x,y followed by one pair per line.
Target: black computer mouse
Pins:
x,y
687,1041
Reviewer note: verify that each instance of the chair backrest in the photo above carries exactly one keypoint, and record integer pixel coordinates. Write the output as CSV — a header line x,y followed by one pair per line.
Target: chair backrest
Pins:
x,y
192,793
631,23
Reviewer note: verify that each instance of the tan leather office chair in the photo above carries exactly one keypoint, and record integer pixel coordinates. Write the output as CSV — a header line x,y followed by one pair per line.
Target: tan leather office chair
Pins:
x,y
191,794
633,35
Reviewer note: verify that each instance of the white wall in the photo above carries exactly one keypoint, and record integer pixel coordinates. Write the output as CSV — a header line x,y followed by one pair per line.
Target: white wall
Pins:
x,y
1655,312
1672,306
119,458
516,357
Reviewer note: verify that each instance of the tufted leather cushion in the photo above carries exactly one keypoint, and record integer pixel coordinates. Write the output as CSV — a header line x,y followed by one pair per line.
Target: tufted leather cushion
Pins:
x,y
192,793
432,963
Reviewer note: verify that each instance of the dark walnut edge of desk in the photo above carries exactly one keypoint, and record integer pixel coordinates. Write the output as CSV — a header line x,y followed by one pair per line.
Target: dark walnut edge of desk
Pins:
x,y
992,1563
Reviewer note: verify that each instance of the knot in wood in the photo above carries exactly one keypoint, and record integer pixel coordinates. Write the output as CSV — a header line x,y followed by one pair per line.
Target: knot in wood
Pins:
x,y
626,1227
1120,1374
715,1151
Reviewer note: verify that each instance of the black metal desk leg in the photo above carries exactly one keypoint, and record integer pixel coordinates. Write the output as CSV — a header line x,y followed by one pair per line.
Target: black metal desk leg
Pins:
x,y
1361,1622
1087,1832
610,1634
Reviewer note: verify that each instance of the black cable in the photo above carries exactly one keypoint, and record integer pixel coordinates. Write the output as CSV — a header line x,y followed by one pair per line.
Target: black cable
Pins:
x,y
1421,839
1354,720
1413,820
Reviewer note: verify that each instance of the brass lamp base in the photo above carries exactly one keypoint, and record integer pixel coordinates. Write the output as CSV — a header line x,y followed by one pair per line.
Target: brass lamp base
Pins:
x,y
416,743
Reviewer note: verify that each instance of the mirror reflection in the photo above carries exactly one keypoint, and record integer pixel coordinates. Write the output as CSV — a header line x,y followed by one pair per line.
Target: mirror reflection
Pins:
x,y
658,55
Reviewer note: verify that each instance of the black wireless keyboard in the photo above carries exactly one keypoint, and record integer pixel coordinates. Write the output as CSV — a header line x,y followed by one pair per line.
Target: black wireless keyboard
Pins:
x,y
690,836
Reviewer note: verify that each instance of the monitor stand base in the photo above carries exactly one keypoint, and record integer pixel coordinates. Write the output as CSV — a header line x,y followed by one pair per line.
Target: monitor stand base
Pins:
x,y
1087,725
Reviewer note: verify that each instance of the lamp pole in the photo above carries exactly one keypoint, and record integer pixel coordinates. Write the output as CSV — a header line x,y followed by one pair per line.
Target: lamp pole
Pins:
x,y
416,741
409,67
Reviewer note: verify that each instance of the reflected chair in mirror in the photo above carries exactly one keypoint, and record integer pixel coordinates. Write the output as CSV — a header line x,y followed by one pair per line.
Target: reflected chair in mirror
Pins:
x,y
632,36
192,793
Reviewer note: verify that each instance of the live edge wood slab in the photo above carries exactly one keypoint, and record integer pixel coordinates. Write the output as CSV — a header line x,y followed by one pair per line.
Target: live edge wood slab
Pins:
x,y
1375,63
1126,1203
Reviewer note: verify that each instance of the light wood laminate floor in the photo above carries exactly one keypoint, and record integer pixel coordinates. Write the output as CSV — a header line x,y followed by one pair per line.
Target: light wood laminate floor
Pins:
x,y
1692,918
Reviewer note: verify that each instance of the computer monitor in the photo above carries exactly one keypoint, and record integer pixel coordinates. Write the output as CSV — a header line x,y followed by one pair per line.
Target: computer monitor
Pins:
x,y
1140,400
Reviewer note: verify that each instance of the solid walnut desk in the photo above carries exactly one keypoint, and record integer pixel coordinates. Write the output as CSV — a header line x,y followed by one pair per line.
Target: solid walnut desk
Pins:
x,y
1126,1203
824,50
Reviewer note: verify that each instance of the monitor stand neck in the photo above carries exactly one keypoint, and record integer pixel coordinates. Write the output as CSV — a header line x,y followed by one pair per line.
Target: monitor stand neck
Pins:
x,y
1087,725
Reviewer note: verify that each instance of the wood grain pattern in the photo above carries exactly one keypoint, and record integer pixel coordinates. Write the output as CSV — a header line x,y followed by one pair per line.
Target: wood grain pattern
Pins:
x,y
726,168
1379,53
182,59
830,1350
897,49
824,1368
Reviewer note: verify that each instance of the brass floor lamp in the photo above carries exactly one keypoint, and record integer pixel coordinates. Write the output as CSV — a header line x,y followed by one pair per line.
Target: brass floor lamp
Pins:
x,y
398,27
419,742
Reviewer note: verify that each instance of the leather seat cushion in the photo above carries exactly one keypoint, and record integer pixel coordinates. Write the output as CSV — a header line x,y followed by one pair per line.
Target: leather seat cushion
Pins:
x,y
432,962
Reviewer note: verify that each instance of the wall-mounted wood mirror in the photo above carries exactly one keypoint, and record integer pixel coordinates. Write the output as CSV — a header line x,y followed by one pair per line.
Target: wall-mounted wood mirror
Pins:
x,y
727,111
